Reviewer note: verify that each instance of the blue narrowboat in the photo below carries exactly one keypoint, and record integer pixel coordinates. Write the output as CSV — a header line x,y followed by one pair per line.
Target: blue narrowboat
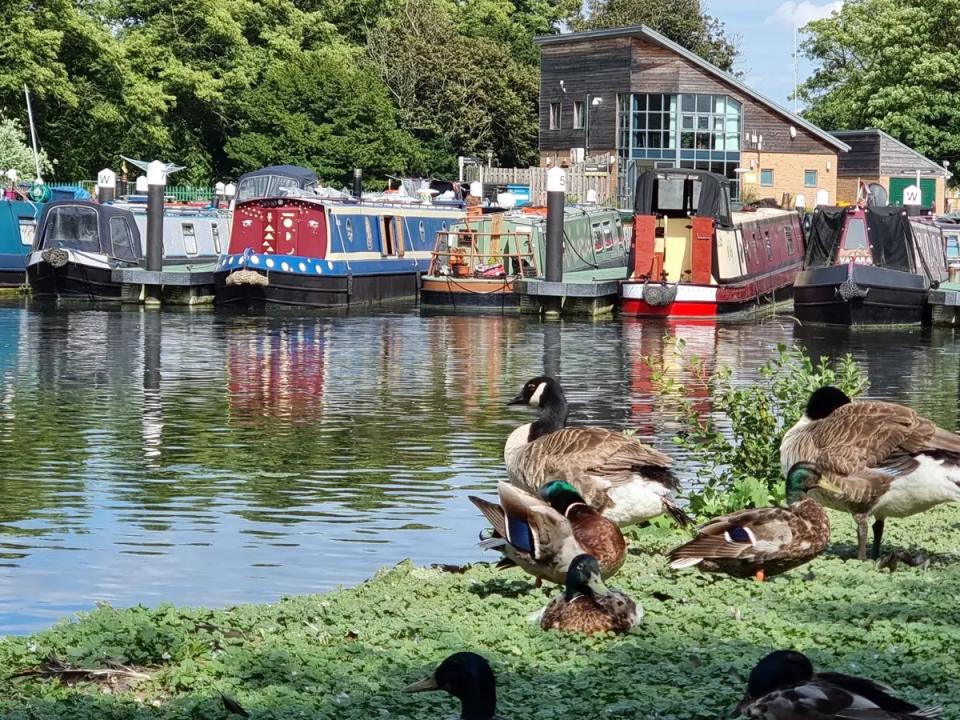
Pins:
x,y
306,249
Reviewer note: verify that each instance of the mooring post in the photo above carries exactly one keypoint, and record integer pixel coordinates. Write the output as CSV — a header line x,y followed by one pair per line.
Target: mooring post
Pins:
x,y
556,193
106,186
156,184
358,183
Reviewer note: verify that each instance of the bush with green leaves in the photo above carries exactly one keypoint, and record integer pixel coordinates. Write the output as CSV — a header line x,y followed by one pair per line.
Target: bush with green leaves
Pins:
x,y
737,444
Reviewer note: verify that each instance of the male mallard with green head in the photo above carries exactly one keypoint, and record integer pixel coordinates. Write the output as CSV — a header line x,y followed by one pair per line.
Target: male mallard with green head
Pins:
x,y
621,477
544,533
884,458
587,605
783,686
762,541
468,677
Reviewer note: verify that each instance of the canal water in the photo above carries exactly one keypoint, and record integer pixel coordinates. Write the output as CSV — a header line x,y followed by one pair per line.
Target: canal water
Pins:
x,y
211,458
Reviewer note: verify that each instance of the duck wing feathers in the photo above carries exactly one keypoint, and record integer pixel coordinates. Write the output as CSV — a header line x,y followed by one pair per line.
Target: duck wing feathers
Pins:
x,y
550,529
821,699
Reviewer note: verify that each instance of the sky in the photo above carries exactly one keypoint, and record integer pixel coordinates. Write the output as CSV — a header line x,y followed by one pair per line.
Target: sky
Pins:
x,y
765,38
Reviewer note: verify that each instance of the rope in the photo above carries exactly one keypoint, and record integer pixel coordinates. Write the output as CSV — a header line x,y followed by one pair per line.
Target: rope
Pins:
x,y
451,281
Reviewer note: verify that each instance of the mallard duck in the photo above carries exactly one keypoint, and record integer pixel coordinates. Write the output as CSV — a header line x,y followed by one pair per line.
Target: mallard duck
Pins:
x,y
587,605
544,533
886,460
783,686
619,476
762,541
468,677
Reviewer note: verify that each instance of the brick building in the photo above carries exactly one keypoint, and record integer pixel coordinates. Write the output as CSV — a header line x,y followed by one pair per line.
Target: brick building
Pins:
x,y
634,98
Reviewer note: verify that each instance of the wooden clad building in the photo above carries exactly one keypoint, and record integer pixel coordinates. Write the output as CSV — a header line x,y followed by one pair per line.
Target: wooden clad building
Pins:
x,y
637,98
876,157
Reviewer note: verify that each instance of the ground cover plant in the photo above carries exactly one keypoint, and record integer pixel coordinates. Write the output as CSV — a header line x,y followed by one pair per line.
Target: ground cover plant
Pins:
x,y
346,654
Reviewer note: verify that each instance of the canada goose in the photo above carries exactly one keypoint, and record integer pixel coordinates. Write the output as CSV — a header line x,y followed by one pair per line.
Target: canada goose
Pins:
x,y
886,460
762,541
468,677
587,605
544,533
621,477
783,686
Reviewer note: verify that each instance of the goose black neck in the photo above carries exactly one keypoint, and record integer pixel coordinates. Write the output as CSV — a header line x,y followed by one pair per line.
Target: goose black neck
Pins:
x,y
553,416
480,701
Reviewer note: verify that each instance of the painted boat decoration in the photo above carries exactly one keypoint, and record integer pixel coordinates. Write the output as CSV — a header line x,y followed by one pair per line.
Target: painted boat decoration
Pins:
x,y
79,244
476,262
321,252
694,257
865,267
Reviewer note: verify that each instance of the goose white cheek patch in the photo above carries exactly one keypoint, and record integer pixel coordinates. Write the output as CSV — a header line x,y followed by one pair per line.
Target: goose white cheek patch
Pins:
x,y
535,398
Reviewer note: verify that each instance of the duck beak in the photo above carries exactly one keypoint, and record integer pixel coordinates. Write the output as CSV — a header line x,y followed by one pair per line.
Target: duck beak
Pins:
x,y
428,683
518,400
595,583
829,487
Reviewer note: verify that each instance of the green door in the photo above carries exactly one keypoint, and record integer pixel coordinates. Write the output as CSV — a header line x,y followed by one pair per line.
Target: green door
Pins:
x,y
928,190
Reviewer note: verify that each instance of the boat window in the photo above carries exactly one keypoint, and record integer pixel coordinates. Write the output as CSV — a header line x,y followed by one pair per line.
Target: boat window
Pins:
x,y
670,193
349,231
28,231
368,228
121,240
856,236
264,186
766,237
423,233
215,229
189,239
72,226
953,245
788,234
607,236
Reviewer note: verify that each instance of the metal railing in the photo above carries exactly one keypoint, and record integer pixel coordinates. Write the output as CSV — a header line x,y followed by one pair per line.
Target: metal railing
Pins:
x,y
180,193
462,258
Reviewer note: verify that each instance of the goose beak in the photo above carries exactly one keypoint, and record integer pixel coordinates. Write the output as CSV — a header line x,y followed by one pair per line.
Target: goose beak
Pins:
x,y
829,487
428,683
518,400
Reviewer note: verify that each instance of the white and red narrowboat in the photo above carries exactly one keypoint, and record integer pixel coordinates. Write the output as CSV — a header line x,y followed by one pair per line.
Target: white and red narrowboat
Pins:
x,y
694,257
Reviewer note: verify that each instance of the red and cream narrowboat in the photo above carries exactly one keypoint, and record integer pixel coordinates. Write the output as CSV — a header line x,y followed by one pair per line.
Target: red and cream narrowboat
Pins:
x,y
694,257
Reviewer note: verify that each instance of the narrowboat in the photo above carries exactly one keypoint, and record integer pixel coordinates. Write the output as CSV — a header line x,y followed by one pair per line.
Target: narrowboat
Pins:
x,y
695,257
864,267
322,252
79,244
476,261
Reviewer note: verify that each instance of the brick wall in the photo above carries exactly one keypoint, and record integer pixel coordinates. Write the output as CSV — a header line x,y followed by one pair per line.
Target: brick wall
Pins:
x,y
789,174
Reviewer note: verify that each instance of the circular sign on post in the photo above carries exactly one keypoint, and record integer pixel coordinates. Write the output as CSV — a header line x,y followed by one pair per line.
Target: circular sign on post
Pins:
x,y
911,195
556,180
142,184
107,178
156,173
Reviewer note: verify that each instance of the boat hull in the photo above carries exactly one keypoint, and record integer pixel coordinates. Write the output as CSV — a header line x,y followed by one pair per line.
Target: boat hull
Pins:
x,y
859,295
711,301
469,293
74,280
13,269
327,291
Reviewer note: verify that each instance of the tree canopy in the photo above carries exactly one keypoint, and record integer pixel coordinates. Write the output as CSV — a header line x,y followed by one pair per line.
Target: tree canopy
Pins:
x,y
892,65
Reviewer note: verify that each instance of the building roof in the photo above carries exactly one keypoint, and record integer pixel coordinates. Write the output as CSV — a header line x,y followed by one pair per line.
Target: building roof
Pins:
x,y
650,35
923,160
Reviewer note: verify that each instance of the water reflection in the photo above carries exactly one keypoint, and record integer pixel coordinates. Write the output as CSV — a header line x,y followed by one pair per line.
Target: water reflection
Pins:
x,y
221,458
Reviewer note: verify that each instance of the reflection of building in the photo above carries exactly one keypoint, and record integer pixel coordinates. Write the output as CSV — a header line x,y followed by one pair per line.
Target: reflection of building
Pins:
x,y
875,157
632,94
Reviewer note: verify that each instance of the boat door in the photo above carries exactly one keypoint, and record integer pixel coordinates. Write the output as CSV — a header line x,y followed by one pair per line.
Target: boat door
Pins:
x,y
391,237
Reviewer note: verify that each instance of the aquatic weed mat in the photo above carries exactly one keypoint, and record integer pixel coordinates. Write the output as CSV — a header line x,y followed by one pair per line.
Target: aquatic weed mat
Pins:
x,y
347,654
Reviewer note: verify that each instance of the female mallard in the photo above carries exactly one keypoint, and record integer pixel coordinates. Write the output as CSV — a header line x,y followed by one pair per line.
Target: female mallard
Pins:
x,y
543,534
587,605
885,459
468,677
762,541
783,686
619,476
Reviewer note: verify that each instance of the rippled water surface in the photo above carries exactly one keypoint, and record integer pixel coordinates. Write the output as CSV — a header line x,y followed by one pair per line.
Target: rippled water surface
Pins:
x,y
208,458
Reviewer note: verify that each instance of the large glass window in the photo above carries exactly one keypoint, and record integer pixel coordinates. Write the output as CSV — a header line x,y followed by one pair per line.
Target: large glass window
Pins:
x,y
555,116
577,114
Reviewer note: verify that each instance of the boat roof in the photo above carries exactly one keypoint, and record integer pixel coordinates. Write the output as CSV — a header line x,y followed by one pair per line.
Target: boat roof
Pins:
x,y
302,175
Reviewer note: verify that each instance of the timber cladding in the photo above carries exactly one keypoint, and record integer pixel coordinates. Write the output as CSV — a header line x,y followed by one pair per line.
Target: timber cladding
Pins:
x,y
610,66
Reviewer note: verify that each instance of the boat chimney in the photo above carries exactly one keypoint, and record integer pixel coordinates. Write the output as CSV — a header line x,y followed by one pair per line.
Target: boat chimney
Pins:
x,y
106,186
357,183
556,192
156,184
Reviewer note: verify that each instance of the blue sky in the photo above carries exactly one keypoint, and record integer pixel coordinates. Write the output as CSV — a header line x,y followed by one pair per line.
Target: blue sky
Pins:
x,y
765,30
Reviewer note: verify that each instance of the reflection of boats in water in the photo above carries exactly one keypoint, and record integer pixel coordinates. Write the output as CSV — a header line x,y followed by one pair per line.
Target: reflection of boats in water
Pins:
x,y
694,257
867,266
475,262
80,243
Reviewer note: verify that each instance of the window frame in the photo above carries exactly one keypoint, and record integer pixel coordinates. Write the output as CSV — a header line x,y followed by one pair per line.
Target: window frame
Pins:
x,y
816,178
772,177
554,112
578,115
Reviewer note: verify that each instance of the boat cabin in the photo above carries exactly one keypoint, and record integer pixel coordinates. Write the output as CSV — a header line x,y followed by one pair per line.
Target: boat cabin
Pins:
x,y
90,227
276,181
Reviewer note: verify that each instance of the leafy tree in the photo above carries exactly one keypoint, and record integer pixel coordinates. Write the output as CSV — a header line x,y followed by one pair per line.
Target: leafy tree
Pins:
x,y
683,21
889,64
16,154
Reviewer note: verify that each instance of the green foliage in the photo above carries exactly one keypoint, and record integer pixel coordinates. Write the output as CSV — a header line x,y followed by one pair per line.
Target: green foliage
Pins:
x,y
738,456
347,654
683,21
891,65
16,154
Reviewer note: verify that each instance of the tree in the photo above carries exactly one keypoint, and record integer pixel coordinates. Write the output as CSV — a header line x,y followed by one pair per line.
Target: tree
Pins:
x,y
15,154
683,21
892,65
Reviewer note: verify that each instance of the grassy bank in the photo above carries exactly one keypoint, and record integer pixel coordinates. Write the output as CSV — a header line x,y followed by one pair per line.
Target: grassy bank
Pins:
x,y
345,654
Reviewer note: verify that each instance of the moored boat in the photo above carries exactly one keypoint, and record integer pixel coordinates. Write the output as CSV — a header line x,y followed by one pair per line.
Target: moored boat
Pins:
x,y
79,244
694,257
324,251
864,267
476,261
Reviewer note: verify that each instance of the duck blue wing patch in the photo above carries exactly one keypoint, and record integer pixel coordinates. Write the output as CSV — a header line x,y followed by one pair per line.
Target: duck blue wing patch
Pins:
x,y
737,534
519,535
